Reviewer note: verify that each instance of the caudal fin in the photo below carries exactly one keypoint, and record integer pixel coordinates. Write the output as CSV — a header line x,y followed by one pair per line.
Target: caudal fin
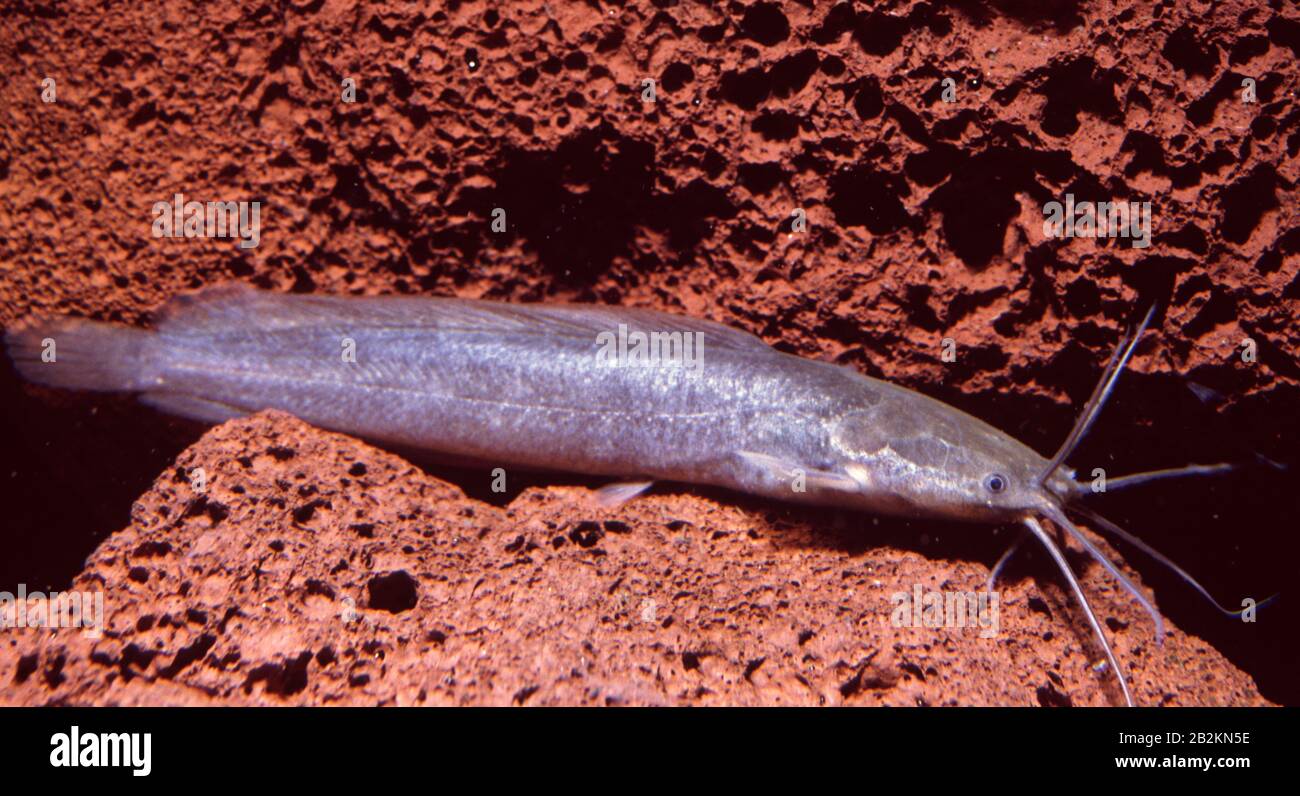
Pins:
x,y
78,354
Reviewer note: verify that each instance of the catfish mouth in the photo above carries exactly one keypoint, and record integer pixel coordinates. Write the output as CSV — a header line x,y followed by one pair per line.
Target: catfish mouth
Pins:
x,y
1063,487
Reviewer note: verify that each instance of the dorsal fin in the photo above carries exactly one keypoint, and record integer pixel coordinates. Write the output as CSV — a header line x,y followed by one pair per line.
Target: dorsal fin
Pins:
x,y
210,309
585,321
233,305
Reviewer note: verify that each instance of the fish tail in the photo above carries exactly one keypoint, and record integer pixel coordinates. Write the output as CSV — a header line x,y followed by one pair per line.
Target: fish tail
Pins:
x,y
77,354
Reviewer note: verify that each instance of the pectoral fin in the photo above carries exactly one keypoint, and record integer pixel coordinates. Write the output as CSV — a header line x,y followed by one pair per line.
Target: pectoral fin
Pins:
x,y
614,495
797,476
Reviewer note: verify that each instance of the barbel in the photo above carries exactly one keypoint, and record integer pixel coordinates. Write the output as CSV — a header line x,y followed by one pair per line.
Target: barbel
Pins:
x,y
586,388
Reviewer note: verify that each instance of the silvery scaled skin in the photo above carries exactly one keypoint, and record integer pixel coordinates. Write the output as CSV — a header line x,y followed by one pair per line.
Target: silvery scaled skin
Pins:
x,y
526,385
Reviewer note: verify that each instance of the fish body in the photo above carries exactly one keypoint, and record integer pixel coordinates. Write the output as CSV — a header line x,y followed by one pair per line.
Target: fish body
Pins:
x,y
553,387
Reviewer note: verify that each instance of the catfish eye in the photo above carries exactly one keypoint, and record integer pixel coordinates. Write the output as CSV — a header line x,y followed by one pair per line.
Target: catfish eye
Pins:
x,y
995,483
